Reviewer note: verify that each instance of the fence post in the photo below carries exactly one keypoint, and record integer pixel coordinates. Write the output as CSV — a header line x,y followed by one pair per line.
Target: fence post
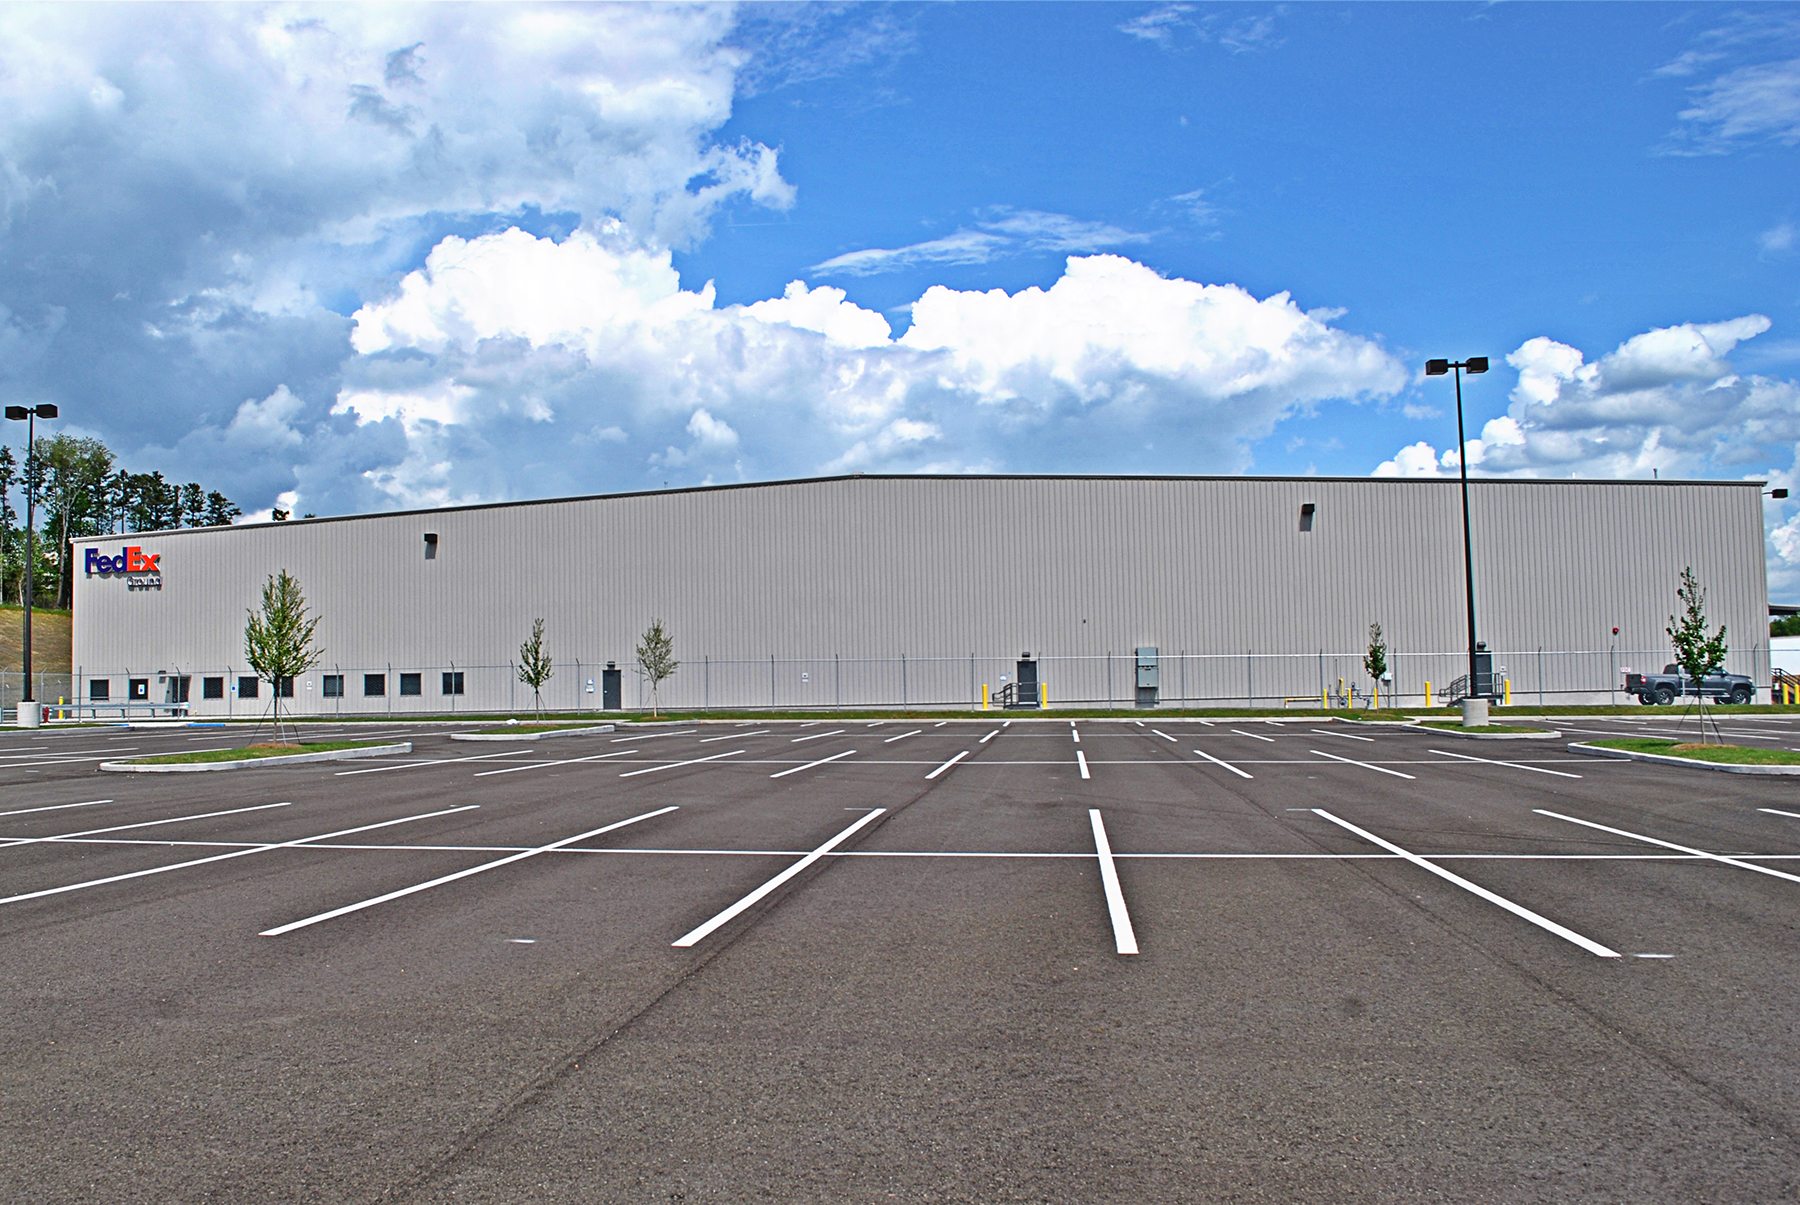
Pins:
x,y
903,680
971,679
1109,678
837,684
771,679
1250,675
705,682
1540,675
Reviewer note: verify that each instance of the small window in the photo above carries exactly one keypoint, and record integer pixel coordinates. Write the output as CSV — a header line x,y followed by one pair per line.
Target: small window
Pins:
x,y
99,690
1307,510
374,684
333,686
284,688
453,682
247,688
178,689
412,684
140,690
212,688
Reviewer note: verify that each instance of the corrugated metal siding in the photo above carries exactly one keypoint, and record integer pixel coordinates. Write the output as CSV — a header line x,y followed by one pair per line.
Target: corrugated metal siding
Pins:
x,y
948,567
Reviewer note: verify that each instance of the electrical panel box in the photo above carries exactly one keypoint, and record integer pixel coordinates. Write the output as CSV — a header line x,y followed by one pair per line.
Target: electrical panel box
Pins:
x,y
1147,677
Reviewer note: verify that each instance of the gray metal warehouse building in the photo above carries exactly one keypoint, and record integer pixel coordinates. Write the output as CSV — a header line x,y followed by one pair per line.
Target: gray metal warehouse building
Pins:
x,y
926,590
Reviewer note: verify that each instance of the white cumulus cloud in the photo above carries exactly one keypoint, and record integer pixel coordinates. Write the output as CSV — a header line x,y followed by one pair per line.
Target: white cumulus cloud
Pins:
x,y
589,356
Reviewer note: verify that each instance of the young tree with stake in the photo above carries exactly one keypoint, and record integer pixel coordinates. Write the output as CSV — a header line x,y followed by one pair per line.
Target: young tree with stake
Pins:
x,y
1375,660
656,658
1695,652
534,665
278,637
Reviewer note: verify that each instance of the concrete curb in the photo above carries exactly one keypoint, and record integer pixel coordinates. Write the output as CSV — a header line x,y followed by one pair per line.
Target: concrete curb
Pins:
x,y
286,759
1690,763
1548,734
529,736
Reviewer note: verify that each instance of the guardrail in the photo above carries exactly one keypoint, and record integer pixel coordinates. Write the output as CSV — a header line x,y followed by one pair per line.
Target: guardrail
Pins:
x,y
123,709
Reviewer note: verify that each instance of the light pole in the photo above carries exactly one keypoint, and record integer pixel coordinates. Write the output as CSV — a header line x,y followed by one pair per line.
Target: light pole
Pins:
x,y
29,416
1437,368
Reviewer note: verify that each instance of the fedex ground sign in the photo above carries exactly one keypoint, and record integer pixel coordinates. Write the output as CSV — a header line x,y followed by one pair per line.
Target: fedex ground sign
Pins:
x,y
139,568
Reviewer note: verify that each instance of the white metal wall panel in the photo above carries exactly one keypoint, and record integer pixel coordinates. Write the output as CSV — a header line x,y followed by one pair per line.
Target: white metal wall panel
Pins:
x,y
942,569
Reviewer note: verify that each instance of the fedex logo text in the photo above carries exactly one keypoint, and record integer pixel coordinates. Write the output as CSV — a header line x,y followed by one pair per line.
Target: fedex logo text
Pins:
x,y
132,560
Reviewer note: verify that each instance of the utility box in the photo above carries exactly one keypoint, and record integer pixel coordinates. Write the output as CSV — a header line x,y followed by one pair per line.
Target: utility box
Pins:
x,y
1148,679
611,695
1483,686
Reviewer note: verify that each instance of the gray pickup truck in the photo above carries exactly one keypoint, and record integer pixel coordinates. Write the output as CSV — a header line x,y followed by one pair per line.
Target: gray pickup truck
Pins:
x,y
1672,684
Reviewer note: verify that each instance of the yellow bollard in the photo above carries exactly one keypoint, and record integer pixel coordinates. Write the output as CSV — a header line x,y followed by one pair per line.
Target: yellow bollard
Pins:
x,y
1507,682
1378,696
984,696
1428,694
1324,700
1043,694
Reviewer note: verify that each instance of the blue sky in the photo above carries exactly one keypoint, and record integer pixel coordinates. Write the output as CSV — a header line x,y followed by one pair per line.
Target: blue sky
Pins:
x,y
354,258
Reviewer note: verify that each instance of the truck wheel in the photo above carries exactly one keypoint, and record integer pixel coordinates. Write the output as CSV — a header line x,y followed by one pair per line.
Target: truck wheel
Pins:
x,y
1740,694
1665,695
1646,698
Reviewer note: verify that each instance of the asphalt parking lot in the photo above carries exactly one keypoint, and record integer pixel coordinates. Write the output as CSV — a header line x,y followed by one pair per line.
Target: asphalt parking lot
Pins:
x,y
968,960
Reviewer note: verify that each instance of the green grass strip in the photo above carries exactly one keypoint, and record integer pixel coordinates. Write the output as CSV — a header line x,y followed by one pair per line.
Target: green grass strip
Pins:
x,y
1732,755
249,752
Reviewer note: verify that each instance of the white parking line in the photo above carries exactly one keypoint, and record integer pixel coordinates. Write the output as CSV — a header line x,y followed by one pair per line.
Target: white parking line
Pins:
x,y
1124,938
278,930
1215,761
1365,765
1074,732
1253,736
697,935
1161,733
55,807
639,736
1511,765
990,736
732,736
1779,812
817,736
566,761
809,765
414,765
1343,735
65,753
676,765
947,765
236,853
1081,760
1519,910
119,828
58,760
1686,849
890,740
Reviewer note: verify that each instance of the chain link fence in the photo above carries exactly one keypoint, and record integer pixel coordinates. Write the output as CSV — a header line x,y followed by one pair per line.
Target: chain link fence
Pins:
x,y
824,683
